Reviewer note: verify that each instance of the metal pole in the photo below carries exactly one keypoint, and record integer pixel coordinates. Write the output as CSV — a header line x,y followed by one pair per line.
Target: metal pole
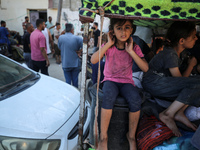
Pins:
x,y
83,85
59,10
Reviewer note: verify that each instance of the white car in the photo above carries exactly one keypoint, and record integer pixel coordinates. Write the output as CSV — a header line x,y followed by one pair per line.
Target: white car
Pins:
x,y
37,112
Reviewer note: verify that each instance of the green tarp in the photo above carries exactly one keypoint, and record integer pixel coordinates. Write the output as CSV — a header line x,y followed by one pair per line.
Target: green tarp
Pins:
x,y
150,13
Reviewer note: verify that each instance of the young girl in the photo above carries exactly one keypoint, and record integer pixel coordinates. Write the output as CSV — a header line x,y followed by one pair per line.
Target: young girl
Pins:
x,y
164,79
120,51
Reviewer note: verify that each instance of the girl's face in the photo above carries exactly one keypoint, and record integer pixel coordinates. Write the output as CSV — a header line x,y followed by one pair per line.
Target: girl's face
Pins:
x,y
190,41
123,32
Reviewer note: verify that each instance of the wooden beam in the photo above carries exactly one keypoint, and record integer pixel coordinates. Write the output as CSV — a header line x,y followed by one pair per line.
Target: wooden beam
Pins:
x,y
83,85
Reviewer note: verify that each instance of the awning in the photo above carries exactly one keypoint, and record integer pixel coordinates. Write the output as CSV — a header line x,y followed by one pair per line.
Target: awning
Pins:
x,y
149,13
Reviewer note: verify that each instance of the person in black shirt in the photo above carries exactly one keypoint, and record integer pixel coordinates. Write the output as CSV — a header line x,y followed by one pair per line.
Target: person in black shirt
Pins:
x,y
27,47
96,33
164,79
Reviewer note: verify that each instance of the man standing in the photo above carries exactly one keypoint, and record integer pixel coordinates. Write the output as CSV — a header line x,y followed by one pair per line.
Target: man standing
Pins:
x,y
39,49
4,34
27,46
56,36
50,26
96,33
25,23
49,39
71,48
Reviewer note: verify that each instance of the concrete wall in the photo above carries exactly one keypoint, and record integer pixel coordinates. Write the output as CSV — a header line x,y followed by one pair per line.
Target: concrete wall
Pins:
x,y
73,5
69,16
14,11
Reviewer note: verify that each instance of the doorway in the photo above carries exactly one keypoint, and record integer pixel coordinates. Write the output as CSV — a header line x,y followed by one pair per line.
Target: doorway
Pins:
x,y
36,14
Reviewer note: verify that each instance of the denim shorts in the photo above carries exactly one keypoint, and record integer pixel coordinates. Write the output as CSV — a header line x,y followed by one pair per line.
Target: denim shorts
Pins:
x,y
112,89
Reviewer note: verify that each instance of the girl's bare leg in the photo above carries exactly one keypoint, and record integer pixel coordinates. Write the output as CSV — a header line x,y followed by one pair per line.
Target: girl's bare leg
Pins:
x,y
167,116
133,122
180,116
105,121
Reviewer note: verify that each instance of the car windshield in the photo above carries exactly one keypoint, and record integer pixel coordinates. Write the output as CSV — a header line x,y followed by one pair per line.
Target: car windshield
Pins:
x,y
12,73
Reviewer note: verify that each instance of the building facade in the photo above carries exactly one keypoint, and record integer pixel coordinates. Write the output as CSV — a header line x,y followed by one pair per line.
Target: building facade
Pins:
x,y
14,12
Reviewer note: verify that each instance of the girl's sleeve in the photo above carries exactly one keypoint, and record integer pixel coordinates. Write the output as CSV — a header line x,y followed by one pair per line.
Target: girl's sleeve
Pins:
x,y
138,51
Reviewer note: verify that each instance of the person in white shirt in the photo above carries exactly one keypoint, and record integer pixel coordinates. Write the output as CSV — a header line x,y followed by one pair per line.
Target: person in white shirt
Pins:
x,y
49,39
57,33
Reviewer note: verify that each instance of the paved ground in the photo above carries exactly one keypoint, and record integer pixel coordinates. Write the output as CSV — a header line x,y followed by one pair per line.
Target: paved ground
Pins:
x,y
56,71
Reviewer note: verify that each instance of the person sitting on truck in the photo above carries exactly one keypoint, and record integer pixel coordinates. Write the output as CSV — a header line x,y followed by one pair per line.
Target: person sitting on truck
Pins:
x,y
164,79
120,51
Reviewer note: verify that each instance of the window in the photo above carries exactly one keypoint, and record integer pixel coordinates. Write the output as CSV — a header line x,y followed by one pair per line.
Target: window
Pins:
x,y
36,14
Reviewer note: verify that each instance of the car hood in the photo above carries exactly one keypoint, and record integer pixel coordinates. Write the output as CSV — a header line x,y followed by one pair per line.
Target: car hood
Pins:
x,y
40,110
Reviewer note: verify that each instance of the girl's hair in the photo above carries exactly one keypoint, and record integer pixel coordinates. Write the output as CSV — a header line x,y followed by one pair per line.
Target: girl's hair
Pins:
x,y
121,22
178,30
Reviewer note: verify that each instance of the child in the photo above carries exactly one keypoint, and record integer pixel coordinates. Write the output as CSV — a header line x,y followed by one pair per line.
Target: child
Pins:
x,y
120,51
159,44
164,79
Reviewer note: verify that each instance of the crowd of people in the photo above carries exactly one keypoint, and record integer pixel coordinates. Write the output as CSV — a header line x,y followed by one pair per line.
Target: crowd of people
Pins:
x,y
48,39
122,53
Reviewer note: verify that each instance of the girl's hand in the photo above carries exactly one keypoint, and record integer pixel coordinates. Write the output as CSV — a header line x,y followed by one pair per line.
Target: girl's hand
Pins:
x,y
111,38
129,45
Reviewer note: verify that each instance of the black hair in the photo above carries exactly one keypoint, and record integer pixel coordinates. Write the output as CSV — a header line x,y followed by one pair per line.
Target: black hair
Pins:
x,y
50,17
68,27
158,44
178,30
57,23
28,25
26,17
96,24
121,22
2,22
38,22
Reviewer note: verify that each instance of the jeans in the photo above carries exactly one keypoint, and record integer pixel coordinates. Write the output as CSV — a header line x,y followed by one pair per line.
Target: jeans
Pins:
x,y
71,75
195,138
112,89
183,89
40,65
28,61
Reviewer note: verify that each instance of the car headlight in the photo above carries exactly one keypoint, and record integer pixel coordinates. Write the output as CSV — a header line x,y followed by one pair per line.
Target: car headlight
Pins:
x,y
8,143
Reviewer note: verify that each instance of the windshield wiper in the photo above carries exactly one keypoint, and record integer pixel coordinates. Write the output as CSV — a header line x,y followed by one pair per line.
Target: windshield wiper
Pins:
x,y
11,89
37,76
18,86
